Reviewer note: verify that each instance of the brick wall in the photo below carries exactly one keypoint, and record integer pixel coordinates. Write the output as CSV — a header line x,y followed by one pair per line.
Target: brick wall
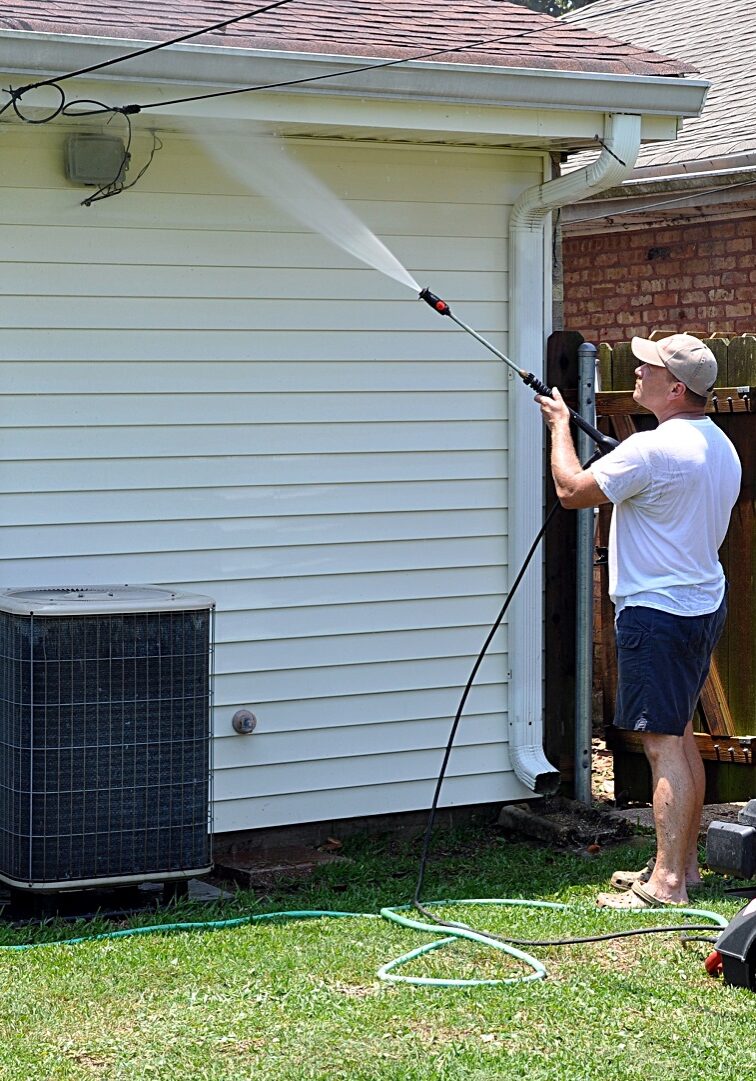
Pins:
x,y
697,277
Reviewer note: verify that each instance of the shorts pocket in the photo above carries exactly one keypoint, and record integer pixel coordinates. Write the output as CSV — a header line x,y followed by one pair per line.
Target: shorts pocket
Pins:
x,y
629,638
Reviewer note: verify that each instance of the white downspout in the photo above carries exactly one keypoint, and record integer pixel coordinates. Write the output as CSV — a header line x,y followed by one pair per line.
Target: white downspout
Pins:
x,y
621,138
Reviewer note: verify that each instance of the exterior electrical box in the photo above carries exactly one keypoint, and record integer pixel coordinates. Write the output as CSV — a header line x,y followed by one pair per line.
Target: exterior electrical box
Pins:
x,y
105,697
95,160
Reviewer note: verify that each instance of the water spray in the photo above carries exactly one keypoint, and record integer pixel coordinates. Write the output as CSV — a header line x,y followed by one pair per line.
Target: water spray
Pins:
x,y
604,443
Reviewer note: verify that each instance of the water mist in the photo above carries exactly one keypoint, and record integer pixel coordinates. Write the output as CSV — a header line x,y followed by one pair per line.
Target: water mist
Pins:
x,y
259,161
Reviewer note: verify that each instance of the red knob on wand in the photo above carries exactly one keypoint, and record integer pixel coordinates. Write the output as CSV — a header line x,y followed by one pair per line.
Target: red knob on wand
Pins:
x,y
435,302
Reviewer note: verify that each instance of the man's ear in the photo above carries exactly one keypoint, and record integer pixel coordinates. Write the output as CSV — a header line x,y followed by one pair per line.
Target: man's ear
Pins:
x,y
677,390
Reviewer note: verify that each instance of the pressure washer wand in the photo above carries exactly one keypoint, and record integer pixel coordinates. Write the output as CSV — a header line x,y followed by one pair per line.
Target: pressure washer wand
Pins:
x,y
605,443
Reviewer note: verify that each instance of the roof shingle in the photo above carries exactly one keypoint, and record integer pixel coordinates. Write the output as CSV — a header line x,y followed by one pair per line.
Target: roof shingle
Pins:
x,y
719,38
385,29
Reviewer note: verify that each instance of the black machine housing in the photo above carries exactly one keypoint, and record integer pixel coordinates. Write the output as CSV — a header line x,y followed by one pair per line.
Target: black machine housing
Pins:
x,y
737,948
731,849
731,846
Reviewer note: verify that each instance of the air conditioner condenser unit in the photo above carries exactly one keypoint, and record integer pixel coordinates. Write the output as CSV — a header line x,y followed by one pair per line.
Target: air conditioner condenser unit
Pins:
x,y
105,736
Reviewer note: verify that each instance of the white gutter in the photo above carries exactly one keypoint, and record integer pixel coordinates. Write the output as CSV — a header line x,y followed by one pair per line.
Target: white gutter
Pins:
x,y
622,133
694,168
41,55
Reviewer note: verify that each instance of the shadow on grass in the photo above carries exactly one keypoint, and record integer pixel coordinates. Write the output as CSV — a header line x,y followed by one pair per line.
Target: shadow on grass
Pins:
x,y
470,861
473,861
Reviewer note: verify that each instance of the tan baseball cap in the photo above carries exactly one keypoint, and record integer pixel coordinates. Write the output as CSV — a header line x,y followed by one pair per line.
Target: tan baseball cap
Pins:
x,y
686,357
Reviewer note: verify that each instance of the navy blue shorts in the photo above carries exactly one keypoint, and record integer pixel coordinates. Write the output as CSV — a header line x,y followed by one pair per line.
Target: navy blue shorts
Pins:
x,y
662,664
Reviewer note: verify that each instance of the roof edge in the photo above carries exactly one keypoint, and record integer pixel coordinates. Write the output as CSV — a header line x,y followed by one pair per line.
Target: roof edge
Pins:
x,y
40,54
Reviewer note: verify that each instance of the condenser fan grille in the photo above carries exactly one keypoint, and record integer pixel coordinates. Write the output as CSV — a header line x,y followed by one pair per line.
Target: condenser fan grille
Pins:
x,y
104,745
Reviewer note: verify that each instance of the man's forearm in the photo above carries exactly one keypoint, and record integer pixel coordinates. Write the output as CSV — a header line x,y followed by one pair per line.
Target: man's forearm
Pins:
x,y
565,464
576,487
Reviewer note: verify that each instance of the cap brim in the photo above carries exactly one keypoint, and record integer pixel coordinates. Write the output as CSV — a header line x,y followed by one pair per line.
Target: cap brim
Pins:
x,y
644,349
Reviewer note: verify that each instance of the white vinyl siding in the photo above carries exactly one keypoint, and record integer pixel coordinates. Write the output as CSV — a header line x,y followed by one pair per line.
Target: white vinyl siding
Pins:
x,y
197,392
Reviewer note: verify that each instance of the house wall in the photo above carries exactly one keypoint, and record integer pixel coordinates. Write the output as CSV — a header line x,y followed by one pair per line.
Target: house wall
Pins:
x,y
198,392
693,277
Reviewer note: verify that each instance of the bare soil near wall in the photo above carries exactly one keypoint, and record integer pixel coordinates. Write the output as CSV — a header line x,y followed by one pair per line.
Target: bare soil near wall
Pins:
x,y
603,794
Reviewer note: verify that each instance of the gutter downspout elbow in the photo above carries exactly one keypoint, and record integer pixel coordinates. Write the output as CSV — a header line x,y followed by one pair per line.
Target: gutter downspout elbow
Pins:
x,y
621,143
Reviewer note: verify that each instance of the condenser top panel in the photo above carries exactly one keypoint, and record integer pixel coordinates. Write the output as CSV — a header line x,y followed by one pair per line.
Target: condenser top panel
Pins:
x,y
98,600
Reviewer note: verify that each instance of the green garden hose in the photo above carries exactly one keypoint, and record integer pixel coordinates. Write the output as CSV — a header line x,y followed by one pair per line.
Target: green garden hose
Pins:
x,y
394,915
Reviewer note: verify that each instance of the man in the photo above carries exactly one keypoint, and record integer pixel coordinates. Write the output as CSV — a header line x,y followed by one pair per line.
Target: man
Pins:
x,y
673,490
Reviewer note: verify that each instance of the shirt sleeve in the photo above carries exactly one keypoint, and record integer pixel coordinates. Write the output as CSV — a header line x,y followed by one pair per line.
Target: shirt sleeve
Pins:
x,y
624,472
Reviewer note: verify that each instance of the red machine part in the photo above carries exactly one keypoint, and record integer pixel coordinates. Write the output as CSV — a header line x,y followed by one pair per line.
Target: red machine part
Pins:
x,y
713,964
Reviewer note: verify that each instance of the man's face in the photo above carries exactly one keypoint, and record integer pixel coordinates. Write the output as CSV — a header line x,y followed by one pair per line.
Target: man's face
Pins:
x,y
652,385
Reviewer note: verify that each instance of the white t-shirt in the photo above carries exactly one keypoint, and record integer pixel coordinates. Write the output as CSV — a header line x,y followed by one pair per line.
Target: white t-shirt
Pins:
x,y
673,490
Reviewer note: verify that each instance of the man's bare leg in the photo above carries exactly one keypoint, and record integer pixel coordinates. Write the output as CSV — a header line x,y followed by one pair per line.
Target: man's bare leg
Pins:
x,y
675,802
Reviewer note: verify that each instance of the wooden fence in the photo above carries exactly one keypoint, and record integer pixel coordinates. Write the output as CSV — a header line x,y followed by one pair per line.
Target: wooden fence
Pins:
x,y
726,727
736,357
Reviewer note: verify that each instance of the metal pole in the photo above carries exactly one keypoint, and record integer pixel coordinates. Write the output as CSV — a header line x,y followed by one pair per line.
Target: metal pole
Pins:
x,y
584,585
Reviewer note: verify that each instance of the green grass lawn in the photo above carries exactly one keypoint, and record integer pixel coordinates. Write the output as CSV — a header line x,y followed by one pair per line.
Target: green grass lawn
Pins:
x,y
294,1001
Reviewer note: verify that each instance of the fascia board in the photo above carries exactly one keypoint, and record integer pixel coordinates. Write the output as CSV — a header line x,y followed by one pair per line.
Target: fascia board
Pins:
x,y
692,168
636,191
212,67
329,116
655,205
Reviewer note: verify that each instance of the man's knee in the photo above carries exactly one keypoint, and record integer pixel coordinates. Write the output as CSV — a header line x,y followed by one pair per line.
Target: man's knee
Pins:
x,y
658,747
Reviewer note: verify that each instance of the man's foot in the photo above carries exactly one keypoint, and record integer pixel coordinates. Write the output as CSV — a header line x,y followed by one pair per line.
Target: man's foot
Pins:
x,y
638,897
623,880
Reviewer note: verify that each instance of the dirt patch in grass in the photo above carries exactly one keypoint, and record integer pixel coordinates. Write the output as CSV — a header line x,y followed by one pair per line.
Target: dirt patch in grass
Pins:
x,y
90,1061
230,1047
352,990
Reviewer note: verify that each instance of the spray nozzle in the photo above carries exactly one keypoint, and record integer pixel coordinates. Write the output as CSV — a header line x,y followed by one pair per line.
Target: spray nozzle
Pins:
x,y
435,302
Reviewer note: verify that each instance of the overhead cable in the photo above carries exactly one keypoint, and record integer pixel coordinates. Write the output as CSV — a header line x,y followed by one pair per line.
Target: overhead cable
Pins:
x,y
339,74
153,48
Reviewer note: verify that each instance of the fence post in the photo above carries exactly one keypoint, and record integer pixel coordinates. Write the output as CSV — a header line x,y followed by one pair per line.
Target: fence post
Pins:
x,y
584,599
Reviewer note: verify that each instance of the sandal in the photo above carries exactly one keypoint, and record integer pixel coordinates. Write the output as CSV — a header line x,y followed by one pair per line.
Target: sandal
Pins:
x,y
623,880
636,898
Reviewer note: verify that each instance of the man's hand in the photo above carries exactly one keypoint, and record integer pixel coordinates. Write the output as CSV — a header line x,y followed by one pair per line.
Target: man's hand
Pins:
x,y
575,488
553,410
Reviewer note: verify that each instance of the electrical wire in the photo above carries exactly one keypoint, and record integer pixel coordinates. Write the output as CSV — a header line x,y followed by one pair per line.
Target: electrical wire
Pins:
x,y
608,149
315,78
116,186
153,48
446,51
16,97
